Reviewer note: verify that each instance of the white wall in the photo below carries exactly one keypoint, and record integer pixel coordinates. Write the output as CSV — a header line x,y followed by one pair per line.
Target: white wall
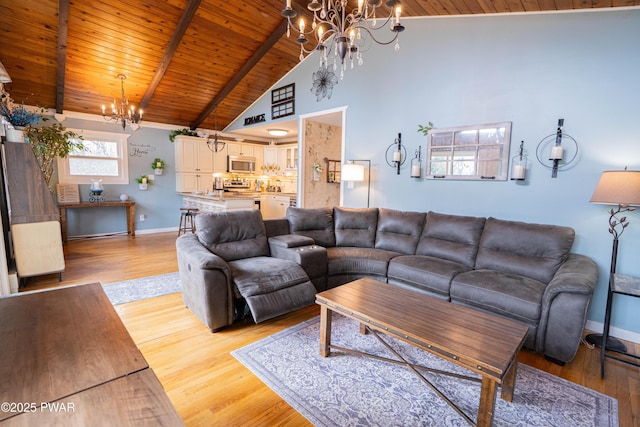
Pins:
x,y
529,69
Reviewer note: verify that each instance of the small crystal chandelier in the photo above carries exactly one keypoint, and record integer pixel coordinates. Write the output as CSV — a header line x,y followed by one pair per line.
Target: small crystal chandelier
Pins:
x,y
121,111
330,18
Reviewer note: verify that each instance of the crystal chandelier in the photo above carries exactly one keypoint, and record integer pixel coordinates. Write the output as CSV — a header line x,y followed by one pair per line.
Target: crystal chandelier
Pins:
x,y
121,111
341,33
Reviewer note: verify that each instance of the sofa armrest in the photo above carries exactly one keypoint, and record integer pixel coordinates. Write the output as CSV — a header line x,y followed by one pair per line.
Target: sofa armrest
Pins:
x,y
312,258
564,307
290,241
206,283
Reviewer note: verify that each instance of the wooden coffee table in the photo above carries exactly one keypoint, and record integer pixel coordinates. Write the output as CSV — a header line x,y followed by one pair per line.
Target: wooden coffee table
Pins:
x,y
485,344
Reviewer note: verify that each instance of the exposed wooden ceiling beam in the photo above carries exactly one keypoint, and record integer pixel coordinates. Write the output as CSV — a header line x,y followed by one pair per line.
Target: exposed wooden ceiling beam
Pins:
x,y
244,70
181,28
63,31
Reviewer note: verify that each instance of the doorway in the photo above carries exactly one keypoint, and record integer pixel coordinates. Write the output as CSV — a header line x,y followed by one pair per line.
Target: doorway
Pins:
x,y
321,143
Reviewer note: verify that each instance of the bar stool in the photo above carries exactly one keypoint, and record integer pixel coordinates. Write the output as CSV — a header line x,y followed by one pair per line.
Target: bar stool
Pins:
x,y
187,222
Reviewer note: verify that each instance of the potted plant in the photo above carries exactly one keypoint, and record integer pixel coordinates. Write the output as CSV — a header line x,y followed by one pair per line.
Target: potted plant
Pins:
x,y
185,131
143,182
49,143
158,166
19,118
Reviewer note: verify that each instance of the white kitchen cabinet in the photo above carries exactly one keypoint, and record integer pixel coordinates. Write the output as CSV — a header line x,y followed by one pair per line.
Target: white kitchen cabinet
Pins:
x,y
236,149
291,158
276,206
220,160
194,164
288,157
189,182
258,153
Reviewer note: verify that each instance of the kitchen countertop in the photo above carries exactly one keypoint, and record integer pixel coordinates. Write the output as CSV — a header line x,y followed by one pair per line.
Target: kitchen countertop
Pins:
x,y
234,195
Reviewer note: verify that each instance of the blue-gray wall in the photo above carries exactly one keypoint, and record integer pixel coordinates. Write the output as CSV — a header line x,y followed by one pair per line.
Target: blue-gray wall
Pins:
x,y
528,69
160,204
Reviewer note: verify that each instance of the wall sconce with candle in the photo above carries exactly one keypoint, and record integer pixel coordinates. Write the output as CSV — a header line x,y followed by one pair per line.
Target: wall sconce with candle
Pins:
x,y
396,154
557,151
519,165
416,164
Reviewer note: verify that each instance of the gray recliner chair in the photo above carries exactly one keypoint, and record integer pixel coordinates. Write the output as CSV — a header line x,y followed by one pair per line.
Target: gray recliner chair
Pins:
x,y
227,263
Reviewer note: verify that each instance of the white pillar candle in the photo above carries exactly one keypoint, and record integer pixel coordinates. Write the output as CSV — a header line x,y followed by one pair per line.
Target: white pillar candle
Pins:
x,y
158,164
518,172
415,171
144,180
396,156
556,152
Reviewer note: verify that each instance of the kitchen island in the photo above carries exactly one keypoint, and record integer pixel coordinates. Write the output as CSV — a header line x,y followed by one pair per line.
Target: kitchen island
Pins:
x,y
271,204
211,203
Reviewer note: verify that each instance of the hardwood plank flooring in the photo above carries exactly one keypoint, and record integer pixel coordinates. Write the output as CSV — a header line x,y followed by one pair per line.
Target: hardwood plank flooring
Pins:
x,y
207,385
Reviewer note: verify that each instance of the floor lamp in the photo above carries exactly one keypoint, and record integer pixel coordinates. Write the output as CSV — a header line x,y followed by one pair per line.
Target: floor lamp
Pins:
x,y
352,172
621,188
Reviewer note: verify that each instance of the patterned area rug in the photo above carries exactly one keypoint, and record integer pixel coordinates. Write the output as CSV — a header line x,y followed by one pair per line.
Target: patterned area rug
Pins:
x,y
352,390
145,287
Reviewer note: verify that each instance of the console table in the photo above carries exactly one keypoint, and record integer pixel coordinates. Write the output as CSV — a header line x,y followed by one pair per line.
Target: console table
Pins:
x,y
68,360
129,211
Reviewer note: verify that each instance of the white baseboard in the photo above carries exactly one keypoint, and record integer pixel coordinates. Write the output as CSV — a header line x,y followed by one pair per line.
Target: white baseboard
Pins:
x,y
124,233
623,334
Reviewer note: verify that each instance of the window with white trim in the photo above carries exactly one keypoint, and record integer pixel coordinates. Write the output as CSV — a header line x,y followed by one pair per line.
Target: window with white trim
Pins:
x,y
478,152
104,157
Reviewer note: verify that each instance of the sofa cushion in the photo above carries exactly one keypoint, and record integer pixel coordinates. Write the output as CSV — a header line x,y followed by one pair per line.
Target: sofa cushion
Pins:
x,y
399,231
515,296
315,223
424,273
531,250
271,286
355,227
451,237
364,261
233,235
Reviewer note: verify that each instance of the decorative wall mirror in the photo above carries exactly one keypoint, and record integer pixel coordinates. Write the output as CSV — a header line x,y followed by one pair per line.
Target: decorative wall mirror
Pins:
x,y
477,152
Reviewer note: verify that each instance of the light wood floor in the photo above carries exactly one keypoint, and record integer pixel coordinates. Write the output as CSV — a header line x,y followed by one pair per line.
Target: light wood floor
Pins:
x,y
207,385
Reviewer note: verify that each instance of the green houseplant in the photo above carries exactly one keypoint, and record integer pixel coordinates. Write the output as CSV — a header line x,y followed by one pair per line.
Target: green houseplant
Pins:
x,y
49,143
158,166
143,182
185,131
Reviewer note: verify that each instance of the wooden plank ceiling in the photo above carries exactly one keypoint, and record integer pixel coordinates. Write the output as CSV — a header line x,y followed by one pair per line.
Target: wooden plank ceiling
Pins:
x,y
186,61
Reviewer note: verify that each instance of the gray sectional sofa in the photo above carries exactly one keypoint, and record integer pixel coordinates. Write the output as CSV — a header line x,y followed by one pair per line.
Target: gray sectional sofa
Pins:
x,y
518,270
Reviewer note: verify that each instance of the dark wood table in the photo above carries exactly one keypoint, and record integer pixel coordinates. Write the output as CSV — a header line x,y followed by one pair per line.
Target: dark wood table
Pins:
x,y
485,344
68,360
129,212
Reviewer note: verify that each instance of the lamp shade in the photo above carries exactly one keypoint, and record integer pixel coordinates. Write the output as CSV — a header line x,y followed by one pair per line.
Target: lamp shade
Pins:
x,y
618,188
4,76
351,172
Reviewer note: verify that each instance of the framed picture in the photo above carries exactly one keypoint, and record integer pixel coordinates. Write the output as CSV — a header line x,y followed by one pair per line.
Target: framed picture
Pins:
x,y
68,193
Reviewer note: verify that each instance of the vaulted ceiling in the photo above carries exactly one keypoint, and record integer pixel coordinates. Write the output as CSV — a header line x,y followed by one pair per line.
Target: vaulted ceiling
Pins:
x,y
188,62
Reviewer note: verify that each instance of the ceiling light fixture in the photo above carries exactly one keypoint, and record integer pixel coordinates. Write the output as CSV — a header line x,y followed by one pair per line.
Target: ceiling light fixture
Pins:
x,y
121,111
277,132
330,18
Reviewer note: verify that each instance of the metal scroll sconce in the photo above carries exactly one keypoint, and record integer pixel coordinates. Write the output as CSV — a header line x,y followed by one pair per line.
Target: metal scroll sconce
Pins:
x,y
396,154
556,154
416,164
519,165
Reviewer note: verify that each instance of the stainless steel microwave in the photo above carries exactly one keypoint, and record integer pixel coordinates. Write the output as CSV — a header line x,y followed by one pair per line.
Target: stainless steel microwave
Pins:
x,y
241,164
